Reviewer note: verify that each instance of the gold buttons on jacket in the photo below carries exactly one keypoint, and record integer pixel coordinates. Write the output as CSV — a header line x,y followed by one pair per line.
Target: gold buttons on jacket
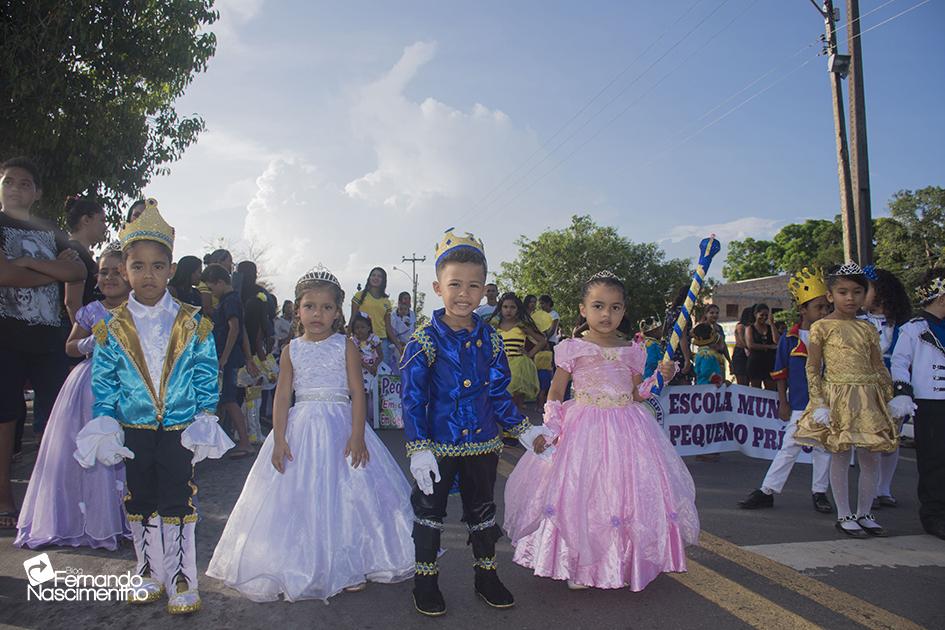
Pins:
x,y
478,431
465,431
467,383
468,344
479,343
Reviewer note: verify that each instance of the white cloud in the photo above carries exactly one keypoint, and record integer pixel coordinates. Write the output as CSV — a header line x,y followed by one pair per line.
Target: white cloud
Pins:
x,y
755,227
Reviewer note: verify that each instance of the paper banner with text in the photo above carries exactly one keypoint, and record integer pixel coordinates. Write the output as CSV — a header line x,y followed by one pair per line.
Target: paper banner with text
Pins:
x,y
387,410
702,419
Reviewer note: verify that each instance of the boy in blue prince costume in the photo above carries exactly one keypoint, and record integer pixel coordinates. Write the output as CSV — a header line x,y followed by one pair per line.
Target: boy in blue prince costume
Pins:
x,y
154,381
455,378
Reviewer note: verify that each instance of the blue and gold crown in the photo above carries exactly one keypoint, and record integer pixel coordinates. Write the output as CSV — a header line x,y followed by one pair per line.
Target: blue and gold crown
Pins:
x,y
652,323
807,285
451,242
149,226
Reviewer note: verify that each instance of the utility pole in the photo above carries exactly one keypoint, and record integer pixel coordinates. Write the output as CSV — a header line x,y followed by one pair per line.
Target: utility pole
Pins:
x,y
859,160
836,67
413,260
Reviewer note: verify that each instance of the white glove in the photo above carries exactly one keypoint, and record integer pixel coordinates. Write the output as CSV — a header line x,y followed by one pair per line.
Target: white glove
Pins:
x,y
822,416
86,345
101,440
528,440
205,438
422,465
901,406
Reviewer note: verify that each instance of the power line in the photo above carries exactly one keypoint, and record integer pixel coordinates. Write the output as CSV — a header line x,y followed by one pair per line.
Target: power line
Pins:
x,y
715,121
624,110
600,110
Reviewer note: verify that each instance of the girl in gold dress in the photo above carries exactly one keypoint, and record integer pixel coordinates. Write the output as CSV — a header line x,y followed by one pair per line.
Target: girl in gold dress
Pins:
x,y
849,391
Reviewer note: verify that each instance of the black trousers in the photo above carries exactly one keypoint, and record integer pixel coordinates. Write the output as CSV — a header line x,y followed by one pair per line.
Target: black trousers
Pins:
x,y
160,477
930,458
476,485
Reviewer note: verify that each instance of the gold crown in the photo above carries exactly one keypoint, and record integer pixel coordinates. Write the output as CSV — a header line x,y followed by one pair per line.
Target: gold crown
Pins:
x,y
451,241
149,226
931,291
807,285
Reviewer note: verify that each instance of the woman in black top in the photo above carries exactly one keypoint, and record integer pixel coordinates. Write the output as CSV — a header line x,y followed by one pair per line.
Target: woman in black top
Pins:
x,y
740,352
183,284
762,341
87,228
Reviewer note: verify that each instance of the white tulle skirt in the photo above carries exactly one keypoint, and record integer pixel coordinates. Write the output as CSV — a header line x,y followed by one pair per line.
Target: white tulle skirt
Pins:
x,y
322,525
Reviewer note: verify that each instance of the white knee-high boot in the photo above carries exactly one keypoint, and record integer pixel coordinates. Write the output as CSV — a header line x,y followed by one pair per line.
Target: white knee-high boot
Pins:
x,y
149,550
180,565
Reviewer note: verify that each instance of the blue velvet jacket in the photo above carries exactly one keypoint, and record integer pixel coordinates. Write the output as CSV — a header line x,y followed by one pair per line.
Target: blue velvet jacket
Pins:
x,y
121,384
790,363
455,390
654,354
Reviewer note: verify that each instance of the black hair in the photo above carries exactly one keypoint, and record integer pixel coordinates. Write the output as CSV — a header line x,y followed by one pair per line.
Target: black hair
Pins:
x,y
469,255
702,331
546,299
27,165
891,297
831,277
361,318
310,285
249,274
217,256
403,293
760,306
110,252
930,276
529,299
709,307
625,326
747,318
213,273
186,267
78,207
681,295
164,248
523,317
131,209
367,284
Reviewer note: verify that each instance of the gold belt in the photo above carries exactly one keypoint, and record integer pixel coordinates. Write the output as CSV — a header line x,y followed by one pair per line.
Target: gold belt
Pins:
x,y
603,400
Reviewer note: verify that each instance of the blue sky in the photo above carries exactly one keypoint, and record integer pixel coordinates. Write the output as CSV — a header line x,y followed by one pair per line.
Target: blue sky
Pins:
x,y
352,133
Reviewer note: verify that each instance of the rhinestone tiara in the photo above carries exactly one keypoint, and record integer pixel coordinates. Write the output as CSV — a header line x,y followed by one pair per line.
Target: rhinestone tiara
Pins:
x,y
849,269
654,321
318,273
603,275
931,291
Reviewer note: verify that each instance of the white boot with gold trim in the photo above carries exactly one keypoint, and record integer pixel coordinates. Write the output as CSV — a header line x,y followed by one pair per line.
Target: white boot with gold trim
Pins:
x,y
149,550
180,565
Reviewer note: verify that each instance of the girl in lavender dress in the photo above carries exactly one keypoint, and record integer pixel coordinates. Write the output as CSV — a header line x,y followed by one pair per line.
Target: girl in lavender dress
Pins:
x,y
65,503
614,505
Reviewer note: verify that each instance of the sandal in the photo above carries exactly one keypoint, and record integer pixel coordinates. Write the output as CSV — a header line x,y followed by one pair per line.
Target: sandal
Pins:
x,y
859,532
239,453
9,519
873,530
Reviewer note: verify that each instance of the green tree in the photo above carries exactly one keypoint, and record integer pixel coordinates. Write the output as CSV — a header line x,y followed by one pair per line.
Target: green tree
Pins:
x,y
912,239
750,258
814,242
558,262
88,88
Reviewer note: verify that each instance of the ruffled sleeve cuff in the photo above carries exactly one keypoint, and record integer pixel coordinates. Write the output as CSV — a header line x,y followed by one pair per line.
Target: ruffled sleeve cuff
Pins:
x,y
102,440
645,388
205,438
416,446
554,416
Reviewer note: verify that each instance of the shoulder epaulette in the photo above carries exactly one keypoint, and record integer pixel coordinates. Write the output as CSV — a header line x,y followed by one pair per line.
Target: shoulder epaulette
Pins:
x,y
497,344
100,330
422,337
204,328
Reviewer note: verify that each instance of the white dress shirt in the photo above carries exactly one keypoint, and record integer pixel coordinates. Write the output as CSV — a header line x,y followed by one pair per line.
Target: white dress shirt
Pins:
x,y
154,332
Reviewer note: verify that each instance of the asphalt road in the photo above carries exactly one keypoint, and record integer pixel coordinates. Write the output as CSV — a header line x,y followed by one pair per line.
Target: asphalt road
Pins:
x,y
779,568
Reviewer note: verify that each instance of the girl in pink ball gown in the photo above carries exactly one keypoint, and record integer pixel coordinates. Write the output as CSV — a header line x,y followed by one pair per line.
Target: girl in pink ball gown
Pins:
x,y
608,503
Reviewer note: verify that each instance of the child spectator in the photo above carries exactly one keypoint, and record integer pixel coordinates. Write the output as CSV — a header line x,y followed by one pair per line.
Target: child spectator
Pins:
x,y
709,363
183,284
227,333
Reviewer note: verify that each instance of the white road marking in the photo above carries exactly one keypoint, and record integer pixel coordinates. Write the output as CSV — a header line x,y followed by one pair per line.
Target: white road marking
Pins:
x,y
896,551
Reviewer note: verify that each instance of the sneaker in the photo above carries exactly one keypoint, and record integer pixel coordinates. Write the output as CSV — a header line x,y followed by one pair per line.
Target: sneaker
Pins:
x,y
822,503
757,499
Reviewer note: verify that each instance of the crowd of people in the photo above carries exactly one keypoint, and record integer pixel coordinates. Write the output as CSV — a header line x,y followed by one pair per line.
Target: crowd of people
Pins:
x,y
143,367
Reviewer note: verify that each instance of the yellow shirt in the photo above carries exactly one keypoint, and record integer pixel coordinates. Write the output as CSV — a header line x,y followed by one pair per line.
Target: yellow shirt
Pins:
x,y
376,309
514,340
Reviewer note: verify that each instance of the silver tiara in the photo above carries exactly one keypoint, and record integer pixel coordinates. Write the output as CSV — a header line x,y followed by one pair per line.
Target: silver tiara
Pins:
x,y
931,291
114,246
603,275
318,273
849,269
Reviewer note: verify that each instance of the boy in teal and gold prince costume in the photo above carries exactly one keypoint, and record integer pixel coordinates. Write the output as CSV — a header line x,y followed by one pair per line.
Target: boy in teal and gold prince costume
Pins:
x,y
455,379
154,382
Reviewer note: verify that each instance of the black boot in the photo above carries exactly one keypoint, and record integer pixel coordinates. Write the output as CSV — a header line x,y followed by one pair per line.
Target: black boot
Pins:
x,y
757,499
822,503
489,587
427,598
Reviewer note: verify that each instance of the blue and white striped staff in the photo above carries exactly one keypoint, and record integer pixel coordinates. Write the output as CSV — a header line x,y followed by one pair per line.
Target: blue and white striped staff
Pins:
x,y
708,248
